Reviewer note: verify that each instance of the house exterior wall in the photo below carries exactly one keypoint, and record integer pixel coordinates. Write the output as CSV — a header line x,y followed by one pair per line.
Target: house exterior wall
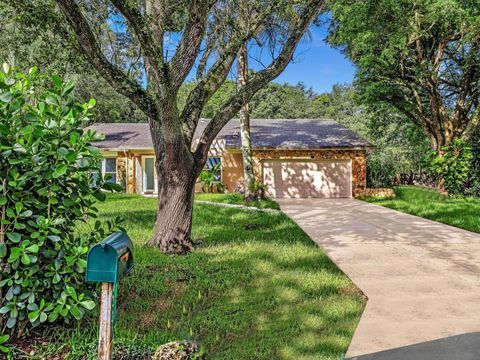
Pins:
x,y
129,165
129,168
358,157
232,170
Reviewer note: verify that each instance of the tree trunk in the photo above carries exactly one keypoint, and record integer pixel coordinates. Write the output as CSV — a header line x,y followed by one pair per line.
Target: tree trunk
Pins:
x,y
176,183
440,179
248,175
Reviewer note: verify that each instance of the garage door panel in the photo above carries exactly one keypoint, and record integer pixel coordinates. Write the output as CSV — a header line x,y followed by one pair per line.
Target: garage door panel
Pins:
x,y
296,179
269,179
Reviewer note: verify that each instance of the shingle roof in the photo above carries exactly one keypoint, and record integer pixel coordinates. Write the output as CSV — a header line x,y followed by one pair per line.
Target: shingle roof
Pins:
x,y
123,135
265,134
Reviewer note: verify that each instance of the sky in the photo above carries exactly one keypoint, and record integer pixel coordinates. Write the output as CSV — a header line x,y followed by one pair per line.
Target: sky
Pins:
x,y
317,65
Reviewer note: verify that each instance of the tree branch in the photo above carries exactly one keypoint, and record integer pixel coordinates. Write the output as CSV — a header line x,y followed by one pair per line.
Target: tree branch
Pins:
x,y
142,31
187,50
260,79
89,46
204,90
470,73
216,75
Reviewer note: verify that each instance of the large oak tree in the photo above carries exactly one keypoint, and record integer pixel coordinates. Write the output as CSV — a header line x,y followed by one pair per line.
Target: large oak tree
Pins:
x,y
422,57
189,24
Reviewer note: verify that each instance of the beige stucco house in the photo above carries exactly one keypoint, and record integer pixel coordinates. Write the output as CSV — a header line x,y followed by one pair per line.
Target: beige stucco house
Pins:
x,y
294,158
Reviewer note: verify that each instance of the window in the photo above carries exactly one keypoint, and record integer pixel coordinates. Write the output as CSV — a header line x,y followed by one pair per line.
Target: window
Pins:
x,y
109,167
214,164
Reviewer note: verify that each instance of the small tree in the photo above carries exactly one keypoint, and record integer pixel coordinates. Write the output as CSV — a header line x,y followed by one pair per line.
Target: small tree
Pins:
x,y
46,189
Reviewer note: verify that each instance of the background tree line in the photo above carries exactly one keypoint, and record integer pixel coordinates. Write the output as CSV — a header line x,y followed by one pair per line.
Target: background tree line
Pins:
x,y
369,108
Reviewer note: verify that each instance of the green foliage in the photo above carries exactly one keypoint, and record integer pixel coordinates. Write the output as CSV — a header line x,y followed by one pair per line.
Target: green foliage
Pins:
x,y
3,348
283,101
381,170
258,190
473,182
46,188
399,153
453,166
419,57
208,178
33,35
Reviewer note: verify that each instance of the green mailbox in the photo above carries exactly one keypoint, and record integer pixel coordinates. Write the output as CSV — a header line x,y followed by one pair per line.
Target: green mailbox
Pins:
x,y
107,262
110,260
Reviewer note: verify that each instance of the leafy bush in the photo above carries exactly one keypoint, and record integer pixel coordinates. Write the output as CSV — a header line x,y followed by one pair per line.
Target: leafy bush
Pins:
x,y
258,190
208,178
381,170
46,189
453,166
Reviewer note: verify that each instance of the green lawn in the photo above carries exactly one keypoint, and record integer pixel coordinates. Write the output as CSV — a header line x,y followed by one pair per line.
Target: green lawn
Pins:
x,y
428,203
256,288
237,199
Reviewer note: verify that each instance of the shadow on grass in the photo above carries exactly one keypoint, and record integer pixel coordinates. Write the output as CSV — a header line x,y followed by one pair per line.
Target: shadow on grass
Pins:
x,y
428,203
261,292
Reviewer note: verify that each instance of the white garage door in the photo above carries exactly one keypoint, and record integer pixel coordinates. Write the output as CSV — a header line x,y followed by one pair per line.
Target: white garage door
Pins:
x,y
301,179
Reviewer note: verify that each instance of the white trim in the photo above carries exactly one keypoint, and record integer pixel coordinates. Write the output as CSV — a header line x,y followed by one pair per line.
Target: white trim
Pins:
x,y
144,178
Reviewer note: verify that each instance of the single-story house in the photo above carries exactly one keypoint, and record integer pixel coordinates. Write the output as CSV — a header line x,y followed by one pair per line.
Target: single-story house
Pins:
x,y
294,158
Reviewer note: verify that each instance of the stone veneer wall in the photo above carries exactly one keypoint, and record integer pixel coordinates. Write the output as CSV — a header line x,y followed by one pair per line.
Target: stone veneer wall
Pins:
x,y
358,157
126,166
379,193
232,168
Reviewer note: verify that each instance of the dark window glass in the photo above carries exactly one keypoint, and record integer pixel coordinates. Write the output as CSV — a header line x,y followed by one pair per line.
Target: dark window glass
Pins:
x,y
110,166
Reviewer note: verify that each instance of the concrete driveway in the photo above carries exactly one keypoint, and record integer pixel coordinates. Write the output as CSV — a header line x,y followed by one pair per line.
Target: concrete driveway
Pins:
x,y
422,278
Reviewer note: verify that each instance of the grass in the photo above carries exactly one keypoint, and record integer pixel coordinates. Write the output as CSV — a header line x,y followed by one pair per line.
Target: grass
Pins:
x,y
430,204
256,288
237,199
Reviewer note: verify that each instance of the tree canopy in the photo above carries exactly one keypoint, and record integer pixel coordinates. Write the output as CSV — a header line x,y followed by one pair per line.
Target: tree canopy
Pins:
x,y
420,57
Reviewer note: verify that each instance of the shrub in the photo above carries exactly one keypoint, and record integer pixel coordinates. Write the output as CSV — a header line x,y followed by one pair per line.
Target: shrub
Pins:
x,y
46,189
258,190
208,178
381,170
453,166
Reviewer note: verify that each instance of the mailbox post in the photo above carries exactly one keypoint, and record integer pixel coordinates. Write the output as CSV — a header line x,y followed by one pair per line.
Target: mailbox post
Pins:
x,y
108,262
